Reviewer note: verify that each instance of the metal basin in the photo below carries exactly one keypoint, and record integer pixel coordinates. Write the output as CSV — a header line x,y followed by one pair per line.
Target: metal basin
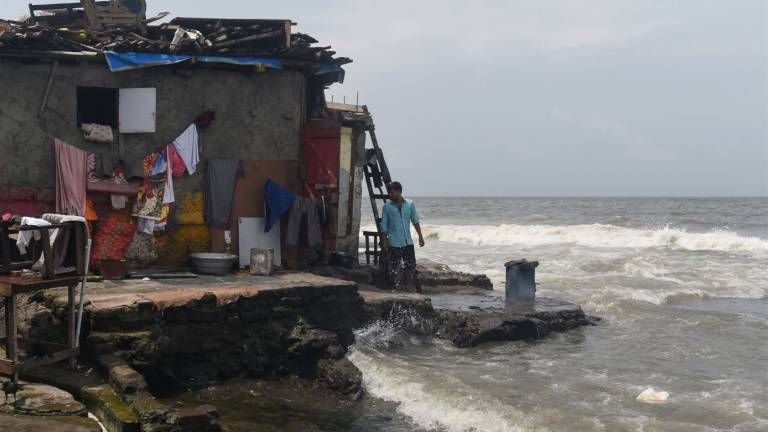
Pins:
x,y
213,263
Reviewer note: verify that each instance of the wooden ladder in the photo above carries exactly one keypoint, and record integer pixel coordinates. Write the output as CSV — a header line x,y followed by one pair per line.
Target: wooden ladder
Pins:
x,y
377,178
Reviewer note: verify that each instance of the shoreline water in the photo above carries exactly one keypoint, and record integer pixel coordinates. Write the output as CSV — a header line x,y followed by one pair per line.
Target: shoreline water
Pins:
x,y
680,283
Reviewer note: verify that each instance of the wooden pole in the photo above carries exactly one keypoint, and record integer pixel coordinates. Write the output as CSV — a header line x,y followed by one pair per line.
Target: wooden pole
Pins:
x,y
47,93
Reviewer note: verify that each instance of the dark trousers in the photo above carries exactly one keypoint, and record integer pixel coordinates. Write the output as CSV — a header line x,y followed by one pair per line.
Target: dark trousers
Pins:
x,y
402,268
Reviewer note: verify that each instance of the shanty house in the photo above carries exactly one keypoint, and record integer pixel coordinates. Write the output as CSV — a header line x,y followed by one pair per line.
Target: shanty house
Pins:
x,y
137,98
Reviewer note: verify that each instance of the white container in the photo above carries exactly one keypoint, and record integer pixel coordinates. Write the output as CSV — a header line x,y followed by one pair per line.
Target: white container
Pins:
x,y
261,261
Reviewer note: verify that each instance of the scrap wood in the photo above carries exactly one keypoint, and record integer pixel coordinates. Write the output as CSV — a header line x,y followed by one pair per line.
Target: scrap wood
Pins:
x,y
181,36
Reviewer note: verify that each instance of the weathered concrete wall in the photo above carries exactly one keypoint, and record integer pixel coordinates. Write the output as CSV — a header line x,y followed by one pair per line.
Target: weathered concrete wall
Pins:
x,y
259,116
350,242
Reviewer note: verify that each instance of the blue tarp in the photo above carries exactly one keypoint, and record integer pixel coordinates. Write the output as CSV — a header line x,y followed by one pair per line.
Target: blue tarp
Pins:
x,y
127,61
269,62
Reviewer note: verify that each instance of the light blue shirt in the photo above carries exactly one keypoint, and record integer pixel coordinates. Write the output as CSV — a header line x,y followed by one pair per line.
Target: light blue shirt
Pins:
x,y
396,222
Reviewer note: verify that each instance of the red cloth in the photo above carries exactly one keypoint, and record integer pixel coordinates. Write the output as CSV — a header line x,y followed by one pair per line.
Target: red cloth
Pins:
x,y
177,162
113,236
71,178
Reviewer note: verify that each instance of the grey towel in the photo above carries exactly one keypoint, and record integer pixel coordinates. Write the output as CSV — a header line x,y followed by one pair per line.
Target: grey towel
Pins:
x,y
311,209
220,183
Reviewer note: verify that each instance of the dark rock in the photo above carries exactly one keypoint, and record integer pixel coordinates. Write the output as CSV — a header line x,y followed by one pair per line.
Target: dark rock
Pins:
x,y
433,274
473,327
206,315
110,409
16,423
122,377
312,343
204,418
340,375
42,400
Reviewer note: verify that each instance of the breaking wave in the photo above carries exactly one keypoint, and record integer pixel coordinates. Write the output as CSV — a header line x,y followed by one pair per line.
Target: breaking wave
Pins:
x,y
435,402
431,399
596,235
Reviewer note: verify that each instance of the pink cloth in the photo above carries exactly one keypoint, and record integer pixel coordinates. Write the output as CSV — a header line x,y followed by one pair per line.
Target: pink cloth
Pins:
x,y
176,161
71,178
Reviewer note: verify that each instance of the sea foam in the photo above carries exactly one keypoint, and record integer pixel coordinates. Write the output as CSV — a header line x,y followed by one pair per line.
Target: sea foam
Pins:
x,y
596,236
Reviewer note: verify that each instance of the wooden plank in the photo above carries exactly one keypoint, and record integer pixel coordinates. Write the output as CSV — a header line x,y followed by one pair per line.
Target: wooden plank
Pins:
x,y
55,358
17,266
5,248
12,333
6,367
45,237
50,347
7,324
12,286
39,228
5,289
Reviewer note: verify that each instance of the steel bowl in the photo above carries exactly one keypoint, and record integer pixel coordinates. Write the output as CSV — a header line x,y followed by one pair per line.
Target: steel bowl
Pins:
x,y
217,264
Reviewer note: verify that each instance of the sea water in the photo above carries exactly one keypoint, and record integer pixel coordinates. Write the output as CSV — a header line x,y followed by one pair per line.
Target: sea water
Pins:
x,y
681,285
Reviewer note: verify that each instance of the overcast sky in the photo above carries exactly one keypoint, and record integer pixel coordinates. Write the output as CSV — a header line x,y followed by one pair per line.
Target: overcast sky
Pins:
x,y
558,98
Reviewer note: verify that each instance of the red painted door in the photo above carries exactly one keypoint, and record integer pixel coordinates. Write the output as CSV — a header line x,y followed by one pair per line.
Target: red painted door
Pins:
x,y
321,159
321,162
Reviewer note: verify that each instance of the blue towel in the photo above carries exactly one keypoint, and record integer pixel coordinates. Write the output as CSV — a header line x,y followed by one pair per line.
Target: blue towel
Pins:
x,y
277,201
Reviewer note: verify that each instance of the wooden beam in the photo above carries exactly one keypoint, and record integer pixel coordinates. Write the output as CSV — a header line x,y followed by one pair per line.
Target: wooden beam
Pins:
x,y
45,237
12,334
6,367
50,347
55,358
12,286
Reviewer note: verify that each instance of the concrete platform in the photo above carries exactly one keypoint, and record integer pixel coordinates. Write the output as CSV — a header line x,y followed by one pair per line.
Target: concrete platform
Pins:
x,y
471,319
174,292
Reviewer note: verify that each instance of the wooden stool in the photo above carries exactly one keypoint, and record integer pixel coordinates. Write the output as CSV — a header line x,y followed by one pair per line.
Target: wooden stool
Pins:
x,y
10,287
12,366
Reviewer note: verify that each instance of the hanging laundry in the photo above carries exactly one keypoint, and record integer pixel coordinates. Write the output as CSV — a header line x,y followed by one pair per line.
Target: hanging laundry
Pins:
x,y
71,178
149,200
305,207
169,197
277,201
187,146
160,164
60,239
175,160
220,184
25,237
118,177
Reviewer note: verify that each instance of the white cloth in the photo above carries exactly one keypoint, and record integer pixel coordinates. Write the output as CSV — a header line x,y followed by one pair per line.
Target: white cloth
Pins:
x,y
25,237
58,243
168,196
187,146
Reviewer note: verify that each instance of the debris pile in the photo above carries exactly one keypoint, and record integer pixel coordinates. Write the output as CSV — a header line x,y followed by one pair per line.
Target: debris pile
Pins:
x,y
189,36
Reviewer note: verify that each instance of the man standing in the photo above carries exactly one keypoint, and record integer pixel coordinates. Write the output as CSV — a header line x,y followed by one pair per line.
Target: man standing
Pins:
x,y
396,219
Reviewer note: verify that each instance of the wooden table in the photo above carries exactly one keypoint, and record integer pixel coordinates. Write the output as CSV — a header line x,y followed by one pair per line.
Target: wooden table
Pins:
x,y
10,287
46,352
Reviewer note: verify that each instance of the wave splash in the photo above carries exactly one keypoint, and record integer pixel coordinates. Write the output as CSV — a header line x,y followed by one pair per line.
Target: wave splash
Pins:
x,y
429,397
596,235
